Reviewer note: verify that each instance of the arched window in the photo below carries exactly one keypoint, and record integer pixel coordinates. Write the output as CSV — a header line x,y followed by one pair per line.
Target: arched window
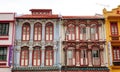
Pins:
x,y
49,56
70,32
83,56
49,31
37,32
82,32
36,56
24,59
26,32
94,32
96,56
70,56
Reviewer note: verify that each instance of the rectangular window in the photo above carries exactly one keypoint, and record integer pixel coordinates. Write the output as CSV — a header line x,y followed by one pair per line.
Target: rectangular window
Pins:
x,y
4,29
70,57
83,58
116,53
83,33
3,53
96,57
114,28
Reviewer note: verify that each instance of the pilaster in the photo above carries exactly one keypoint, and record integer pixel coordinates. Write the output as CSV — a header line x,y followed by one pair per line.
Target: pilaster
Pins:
x,y
43,31
30,56
55,56
43,55
18,49
89,55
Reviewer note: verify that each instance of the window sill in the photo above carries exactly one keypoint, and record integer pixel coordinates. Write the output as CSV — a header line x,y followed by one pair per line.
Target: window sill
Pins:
x,y
4,37
4,67
115,67
116,63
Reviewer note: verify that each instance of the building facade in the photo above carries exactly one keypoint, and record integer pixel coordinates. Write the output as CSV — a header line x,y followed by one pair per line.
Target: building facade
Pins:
x,y
37,46
7,28
112,23
83,44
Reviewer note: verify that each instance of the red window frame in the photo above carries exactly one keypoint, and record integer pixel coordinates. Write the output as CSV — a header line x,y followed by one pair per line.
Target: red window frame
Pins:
x,y
71,32
36,60
116,53
83,56
93,32
96,58
37,31
71,59
24,56
114,28
49,31
26,32
49,55
82,32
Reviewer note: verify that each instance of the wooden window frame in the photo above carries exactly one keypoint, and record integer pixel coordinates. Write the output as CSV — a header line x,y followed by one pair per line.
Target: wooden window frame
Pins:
x,y
98,56
37,32
49,49
73,57
82,33
4,27
69,32
115,51
38,53
26,53
83,48
49,25
115,25
27,33
93,36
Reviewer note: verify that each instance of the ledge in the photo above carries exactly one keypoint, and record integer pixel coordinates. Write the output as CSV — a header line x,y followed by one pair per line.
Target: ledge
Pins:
x,y
115,67
54,68
86,68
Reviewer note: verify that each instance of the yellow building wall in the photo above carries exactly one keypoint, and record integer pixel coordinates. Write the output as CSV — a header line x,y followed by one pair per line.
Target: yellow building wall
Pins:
x,y
111,16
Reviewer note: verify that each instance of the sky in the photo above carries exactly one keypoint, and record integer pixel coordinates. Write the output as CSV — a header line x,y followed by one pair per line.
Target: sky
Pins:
x,y
63,7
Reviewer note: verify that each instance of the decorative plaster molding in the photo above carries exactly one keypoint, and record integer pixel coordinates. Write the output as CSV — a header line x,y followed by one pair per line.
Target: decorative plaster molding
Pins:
x,y
37,44
51,43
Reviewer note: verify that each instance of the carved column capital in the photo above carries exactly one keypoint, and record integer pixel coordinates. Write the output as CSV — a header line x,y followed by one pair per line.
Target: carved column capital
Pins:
x,y
89,47
30,49
55,47
18,49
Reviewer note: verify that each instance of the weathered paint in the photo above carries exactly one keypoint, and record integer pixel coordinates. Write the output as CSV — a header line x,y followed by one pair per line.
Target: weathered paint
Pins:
x,y
112,15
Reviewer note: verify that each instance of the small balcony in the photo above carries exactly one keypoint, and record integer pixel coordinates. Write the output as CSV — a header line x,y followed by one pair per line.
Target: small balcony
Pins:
x,y
116,63
115,39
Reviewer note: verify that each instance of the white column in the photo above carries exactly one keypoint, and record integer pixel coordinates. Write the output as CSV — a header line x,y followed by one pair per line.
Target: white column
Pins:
x,y
30,56
43,55
43,32
89,55
101,57
55,49
31,31
55,31
88,33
